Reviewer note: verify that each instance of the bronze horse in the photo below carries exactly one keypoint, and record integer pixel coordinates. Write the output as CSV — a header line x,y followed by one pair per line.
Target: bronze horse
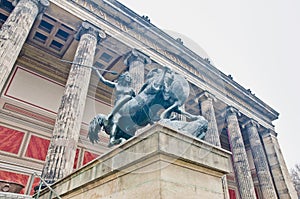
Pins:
x,y
164,92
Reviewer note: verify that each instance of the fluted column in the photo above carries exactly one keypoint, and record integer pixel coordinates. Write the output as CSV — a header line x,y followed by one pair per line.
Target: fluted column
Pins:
x,y
279,171
136,62
207,111
239,156
14,33
260,161
212,135
61,152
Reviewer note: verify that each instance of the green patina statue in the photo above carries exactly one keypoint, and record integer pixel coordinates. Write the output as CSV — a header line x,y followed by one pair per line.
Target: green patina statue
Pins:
x,y
163,92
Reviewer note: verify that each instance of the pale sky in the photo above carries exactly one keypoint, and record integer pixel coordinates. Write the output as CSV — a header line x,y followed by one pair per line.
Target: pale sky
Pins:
x,y
256,41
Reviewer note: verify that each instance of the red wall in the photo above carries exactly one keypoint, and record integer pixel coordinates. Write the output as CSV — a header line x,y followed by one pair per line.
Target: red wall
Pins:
x,y
37,148
232,194
11,142
88,156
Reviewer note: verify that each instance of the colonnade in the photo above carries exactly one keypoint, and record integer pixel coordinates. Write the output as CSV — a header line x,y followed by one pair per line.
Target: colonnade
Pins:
x,y
268,160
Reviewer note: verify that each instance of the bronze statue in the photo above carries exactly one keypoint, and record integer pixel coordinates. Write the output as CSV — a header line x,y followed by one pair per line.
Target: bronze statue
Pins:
x,y
123,93
164,92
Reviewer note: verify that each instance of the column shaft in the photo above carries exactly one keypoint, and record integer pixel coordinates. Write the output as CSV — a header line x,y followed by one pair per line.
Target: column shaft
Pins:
x,y
136,62
61,153
282,179
207,111
14,33
260,162
239,156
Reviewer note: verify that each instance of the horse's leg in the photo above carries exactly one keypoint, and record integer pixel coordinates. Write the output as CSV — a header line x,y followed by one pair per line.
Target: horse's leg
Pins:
x,y
190,116
164,113
113,130
112,135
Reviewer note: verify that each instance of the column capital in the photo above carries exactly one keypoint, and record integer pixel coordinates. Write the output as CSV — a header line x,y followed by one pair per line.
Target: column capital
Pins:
x,y
250,123
269,132
205,95
88,28
230,110
42,4
135,55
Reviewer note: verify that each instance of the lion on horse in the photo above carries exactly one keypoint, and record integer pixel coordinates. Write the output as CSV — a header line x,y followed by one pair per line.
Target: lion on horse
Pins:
x,y
163,92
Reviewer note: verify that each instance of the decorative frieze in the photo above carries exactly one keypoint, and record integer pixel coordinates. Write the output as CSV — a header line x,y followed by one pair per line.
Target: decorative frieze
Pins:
x,y
97,10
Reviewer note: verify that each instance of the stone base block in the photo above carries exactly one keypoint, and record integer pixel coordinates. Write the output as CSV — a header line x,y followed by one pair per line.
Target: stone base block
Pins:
x,y
158,163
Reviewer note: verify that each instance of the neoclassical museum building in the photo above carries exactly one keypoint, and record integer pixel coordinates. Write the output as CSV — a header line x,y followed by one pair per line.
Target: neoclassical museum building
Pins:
x,y
47,103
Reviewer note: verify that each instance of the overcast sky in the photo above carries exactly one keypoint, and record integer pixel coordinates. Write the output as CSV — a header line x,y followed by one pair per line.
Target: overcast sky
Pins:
x,y
256,41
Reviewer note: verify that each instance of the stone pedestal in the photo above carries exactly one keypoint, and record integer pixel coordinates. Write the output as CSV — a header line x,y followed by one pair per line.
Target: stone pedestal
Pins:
x,y
158,163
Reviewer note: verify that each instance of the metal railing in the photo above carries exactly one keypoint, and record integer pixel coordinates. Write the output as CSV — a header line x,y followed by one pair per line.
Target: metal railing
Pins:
x,y
43,182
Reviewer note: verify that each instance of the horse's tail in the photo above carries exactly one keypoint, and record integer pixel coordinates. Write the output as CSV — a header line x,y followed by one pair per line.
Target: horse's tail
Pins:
x,y
95,126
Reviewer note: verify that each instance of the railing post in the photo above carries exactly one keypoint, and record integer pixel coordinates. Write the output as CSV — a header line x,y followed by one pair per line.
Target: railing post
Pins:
x,y
44,182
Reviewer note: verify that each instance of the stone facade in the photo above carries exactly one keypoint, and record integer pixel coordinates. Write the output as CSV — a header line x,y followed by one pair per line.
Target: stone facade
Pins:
x,y
45,102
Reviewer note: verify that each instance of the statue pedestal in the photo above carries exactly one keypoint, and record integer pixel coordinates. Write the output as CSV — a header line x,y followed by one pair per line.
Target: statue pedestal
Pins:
x,y
158,163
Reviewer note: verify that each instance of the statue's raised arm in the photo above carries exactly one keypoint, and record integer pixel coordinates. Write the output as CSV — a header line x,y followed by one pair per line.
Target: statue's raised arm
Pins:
x,y
105,81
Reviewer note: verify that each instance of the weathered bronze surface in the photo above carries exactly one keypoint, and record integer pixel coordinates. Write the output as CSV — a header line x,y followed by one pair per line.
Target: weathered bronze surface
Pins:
x,y
163,93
